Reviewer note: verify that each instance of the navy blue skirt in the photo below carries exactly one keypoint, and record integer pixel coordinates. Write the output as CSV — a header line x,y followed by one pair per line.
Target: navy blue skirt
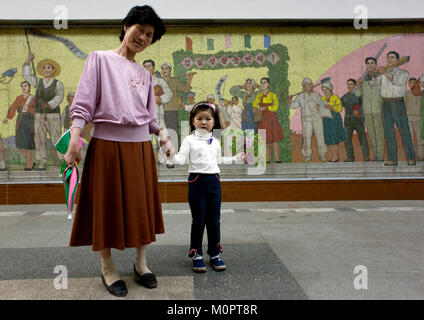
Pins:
x,y
333,129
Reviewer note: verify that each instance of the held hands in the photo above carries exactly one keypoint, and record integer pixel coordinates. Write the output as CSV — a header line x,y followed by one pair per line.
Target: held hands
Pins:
x,y
165,143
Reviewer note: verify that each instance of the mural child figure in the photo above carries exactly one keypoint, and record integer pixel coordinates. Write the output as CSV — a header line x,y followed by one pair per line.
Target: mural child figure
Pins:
x,y
48,97
309,102
119,205
247,93
267,102
2,155
203,151
235,111
65,118
223,110
414,113
333,127
24,105
369,89
354,121
163,94
393,89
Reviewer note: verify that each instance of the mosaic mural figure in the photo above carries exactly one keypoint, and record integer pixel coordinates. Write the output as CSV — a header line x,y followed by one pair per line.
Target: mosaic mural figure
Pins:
x,y
354,121
24,105
333,127
48,97
393,89
309,101
163,94
247,93
171,108
369,88
267,102
414,113
65,118
2,155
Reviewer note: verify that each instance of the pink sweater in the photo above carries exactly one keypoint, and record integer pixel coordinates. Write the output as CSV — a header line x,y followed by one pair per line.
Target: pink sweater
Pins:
x,y
117,96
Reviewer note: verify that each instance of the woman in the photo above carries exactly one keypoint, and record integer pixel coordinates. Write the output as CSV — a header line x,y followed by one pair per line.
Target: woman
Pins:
x,y
119,205
24,137
333,127
267,102
247,97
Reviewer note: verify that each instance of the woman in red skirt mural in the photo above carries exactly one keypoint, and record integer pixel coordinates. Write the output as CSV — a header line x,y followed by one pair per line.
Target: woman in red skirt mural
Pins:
x,y
267,102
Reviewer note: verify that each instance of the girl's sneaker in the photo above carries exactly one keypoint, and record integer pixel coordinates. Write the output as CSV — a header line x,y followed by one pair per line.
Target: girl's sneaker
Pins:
x,y
217,263
198,264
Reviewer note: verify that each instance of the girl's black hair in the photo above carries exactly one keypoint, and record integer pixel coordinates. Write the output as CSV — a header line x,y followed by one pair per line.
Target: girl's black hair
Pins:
x,y
144,14
203,106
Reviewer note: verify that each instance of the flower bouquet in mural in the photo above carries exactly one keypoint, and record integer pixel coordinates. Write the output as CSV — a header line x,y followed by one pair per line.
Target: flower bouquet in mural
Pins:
x,y
70,175
252,144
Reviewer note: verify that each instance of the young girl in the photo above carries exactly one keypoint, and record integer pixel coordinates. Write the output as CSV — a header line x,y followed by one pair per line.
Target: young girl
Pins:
x,y
204,189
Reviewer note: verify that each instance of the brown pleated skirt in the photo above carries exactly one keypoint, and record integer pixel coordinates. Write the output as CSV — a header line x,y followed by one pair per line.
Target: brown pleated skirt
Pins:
x,y
119,205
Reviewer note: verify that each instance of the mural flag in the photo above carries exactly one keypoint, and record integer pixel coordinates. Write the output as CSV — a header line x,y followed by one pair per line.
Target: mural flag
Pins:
x,y
68,43
267,41
189,44
227,42
247,41
210,44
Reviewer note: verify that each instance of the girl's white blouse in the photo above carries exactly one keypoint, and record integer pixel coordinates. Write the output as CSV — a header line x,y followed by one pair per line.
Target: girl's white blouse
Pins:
x,y
203,151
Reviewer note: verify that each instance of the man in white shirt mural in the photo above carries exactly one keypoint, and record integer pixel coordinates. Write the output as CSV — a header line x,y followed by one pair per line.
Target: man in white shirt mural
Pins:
x,y
393,89
309,102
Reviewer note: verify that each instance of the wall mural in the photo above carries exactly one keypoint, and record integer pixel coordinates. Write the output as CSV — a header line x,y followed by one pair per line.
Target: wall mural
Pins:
x,y
335,102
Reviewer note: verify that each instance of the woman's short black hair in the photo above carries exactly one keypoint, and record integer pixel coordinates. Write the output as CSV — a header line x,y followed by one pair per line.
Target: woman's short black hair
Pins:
x,y
144,15
203,106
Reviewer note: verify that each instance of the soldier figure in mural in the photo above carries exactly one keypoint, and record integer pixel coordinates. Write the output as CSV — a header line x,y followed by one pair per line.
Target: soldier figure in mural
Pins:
x,y
369,88
163,94
65,117
247,93
414,113
393,89
267,102
309,102
24,105
354,120
333,127
49,95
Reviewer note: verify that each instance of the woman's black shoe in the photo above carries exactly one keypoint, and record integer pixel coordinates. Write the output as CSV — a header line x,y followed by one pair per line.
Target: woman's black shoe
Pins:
x,y
118,288
147,280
